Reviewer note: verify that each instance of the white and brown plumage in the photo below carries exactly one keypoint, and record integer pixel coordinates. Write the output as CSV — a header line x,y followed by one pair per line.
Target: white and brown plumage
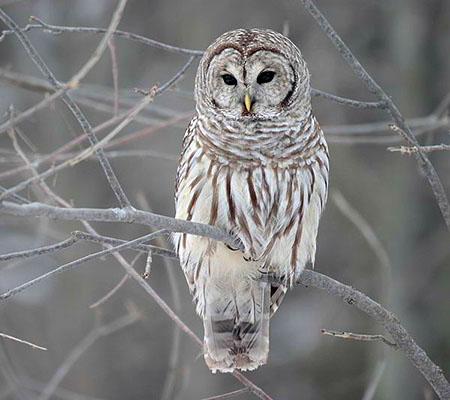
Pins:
x,y
254,163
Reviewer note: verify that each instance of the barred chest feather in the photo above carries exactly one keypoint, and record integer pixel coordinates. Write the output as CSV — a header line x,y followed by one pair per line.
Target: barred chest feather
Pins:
x,y
268,188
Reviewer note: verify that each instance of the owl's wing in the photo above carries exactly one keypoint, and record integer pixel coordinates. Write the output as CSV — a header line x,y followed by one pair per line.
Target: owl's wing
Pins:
x,y
182,161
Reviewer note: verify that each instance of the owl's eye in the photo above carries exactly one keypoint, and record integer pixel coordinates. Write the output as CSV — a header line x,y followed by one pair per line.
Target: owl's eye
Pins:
x,y
265,77
229,80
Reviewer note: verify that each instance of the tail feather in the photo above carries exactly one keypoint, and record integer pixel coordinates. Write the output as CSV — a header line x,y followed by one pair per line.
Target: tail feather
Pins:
x,y
236,326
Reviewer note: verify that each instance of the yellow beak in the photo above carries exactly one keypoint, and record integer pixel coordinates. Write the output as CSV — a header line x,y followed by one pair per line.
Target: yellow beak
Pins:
x,y
247,102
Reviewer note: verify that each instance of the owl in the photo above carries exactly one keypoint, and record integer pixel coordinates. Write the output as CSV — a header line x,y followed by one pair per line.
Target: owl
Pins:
x,y
255,164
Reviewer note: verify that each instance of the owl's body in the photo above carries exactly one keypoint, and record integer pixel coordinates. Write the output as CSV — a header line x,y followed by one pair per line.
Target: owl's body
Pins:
x,y
258,172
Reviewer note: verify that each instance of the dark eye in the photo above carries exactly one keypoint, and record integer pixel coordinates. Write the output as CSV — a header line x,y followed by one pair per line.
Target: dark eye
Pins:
x,y
265,77
229,80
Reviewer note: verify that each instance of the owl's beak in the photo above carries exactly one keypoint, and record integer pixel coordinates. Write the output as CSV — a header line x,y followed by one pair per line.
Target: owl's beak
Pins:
x,y
247,102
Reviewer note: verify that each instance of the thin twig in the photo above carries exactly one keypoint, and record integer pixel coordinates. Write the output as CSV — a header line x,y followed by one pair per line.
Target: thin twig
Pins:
x,y
40,250
75,263
362,105
158,251
22,155
228,395
95,57
60,393
148,265
358,336
114,290
83,346
148,131
178,76
34,346
366,230
100,144
48,99
417,149
13,196
369,393
115,74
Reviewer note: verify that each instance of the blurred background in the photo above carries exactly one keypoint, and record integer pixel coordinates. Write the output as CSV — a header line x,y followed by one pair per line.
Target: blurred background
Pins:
x,y
382,231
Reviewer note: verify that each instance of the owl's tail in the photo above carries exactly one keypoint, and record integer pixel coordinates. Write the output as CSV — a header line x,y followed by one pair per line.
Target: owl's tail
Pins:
x,y
236,325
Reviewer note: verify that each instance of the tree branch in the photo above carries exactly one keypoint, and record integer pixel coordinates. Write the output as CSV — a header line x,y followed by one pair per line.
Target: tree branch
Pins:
x,y
84,123
56,29
418,149
9,337
404,341
119,215
359,336
362,105
375,89
432,373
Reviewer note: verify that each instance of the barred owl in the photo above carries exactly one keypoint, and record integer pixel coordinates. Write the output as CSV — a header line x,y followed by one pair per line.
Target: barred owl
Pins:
x,y
254,163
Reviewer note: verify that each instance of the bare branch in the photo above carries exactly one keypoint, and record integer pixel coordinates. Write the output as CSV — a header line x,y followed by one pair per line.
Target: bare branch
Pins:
x,y
119,215
358,336
84,123
34,346
178,76
362,105
417,149
146,248
40,250
375,89
75,263
432,373
55,29
13,196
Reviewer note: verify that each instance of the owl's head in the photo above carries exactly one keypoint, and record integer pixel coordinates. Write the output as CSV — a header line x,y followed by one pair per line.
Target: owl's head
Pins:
x,y
253,74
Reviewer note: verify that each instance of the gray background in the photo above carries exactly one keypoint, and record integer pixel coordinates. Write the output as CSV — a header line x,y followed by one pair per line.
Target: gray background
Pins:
x,y
404,44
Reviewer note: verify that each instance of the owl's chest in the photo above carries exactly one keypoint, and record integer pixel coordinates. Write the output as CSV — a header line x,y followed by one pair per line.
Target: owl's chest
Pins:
x,y
254,202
